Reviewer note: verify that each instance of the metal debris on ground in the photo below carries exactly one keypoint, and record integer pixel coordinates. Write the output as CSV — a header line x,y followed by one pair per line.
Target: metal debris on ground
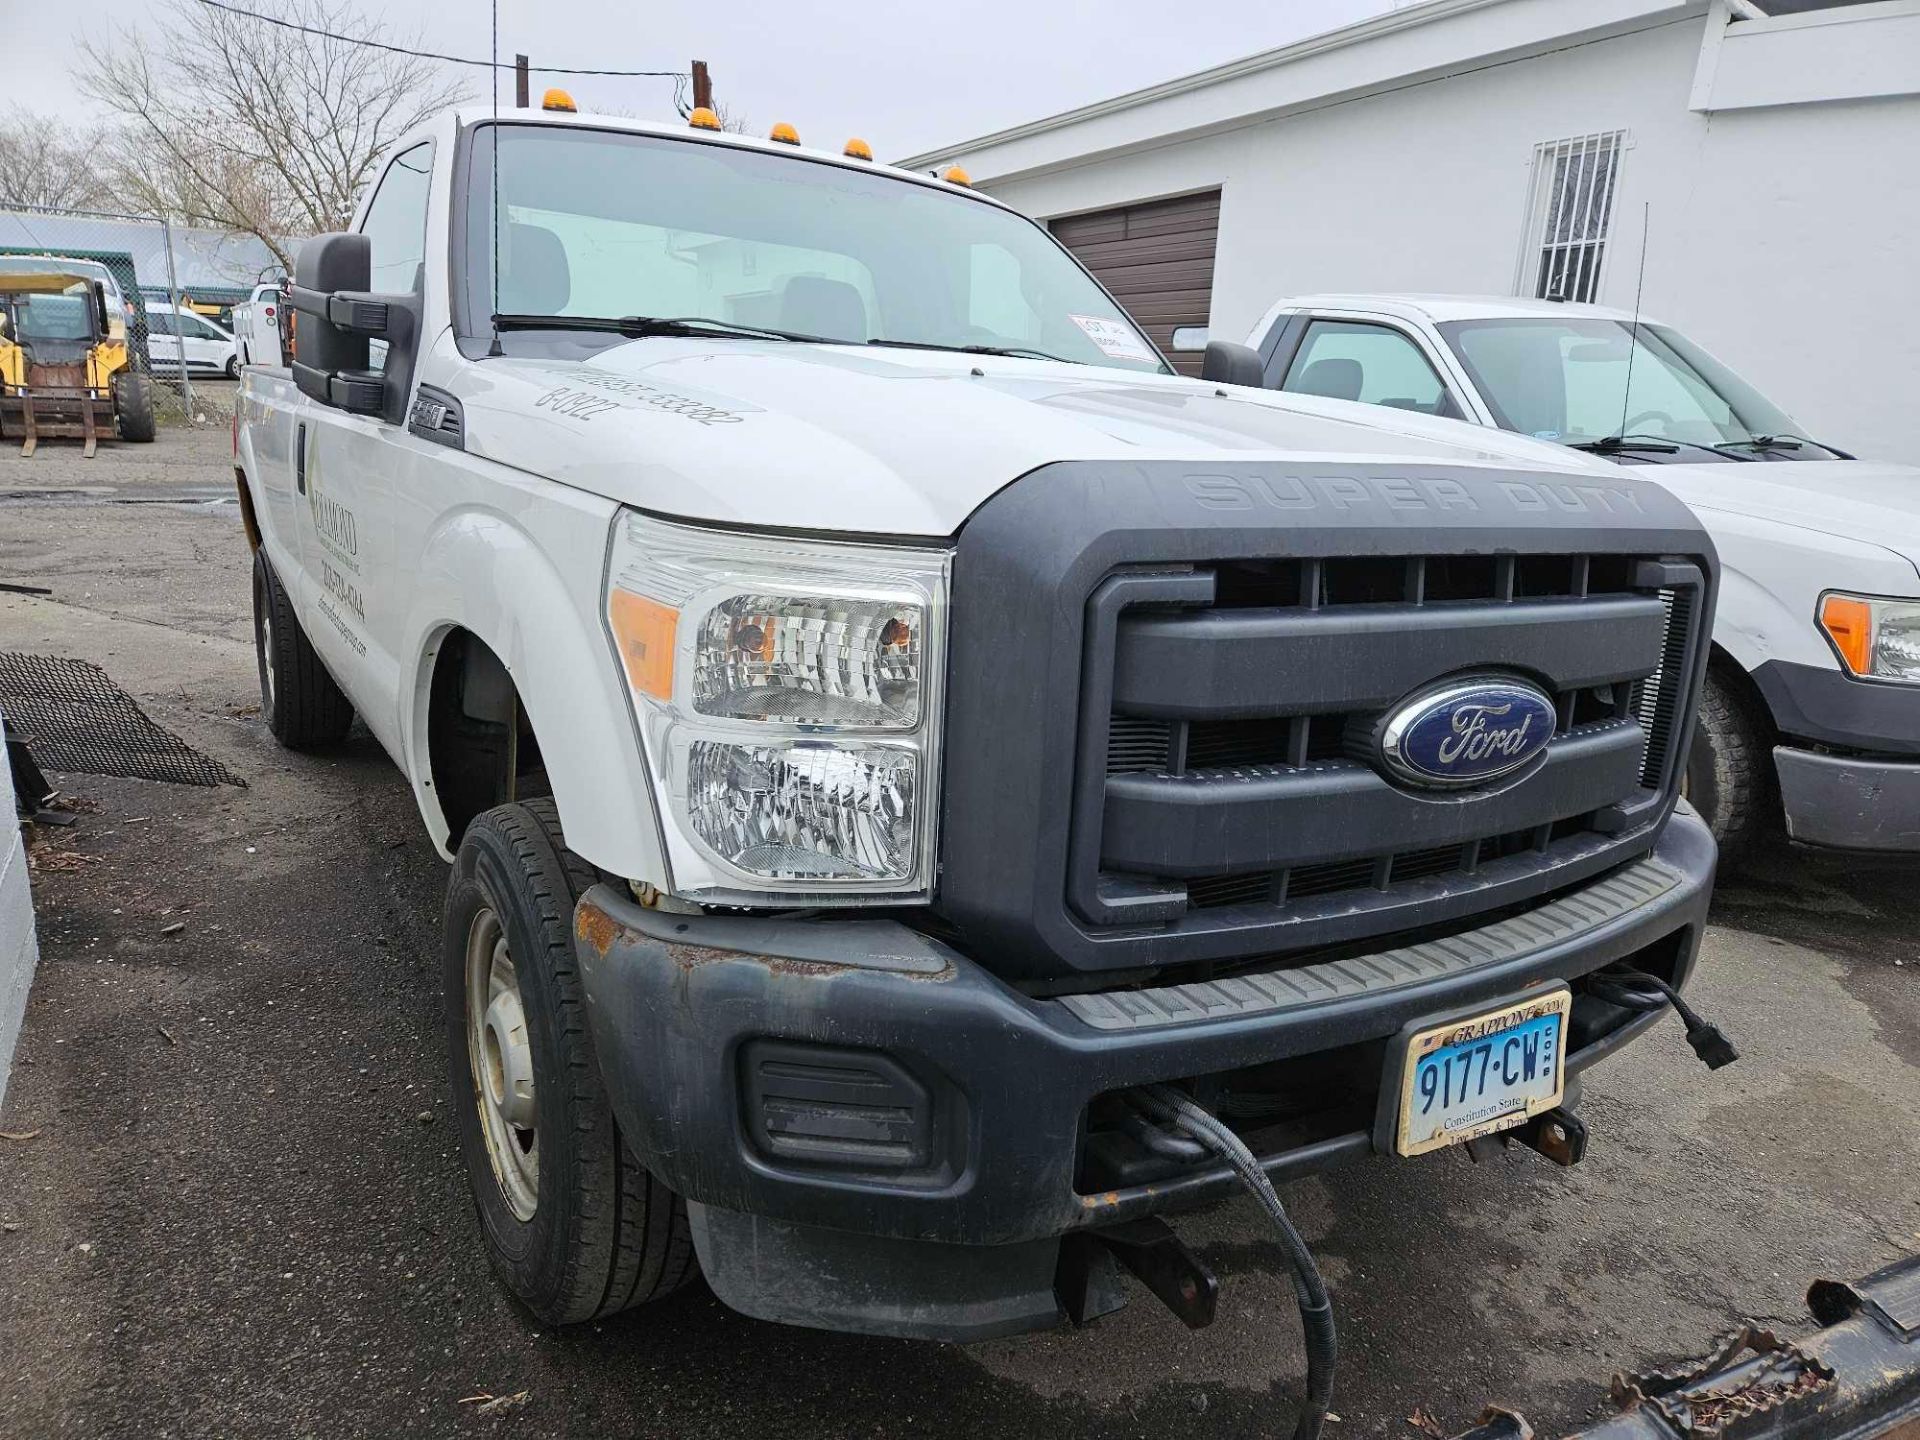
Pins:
x,y
1750,1372
79,720
1856,1377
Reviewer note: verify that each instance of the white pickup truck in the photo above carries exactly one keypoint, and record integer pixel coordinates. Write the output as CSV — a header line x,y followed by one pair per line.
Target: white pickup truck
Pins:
x,y
1812,708
885,725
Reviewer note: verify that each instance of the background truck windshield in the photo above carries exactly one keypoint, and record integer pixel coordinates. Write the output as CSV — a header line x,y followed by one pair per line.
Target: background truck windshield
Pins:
x,y
601,223
1566,380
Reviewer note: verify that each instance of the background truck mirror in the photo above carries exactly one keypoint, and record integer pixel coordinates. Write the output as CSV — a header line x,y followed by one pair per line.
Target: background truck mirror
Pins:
x,y
1189,339
1229,364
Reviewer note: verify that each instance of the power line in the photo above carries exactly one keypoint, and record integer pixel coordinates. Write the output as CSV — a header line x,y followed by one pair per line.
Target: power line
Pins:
x,y
428,54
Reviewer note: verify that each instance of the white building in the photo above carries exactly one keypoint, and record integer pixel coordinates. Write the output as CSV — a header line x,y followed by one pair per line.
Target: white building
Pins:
x,y
1510,146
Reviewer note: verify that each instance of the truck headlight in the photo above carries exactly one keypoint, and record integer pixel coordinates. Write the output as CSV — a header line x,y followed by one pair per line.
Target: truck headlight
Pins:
x,y
788,696
1876,638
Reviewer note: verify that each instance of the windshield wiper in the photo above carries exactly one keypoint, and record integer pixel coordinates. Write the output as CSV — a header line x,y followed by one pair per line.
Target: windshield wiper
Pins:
x,y
1783,442
1632,444
1017,352
640,327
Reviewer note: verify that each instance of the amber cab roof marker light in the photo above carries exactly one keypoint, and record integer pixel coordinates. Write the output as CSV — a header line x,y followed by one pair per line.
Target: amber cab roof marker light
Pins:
x,y
784,133
858,149
954,175
703,119
558,99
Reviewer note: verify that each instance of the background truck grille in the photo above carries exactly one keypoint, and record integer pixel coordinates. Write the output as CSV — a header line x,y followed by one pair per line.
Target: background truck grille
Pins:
x,y
1234,765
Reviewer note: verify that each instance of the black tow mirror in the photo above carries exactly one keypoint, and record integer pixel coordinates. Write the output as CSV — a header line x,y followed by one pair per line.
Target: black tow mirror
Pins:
x,y
1229,364
336,318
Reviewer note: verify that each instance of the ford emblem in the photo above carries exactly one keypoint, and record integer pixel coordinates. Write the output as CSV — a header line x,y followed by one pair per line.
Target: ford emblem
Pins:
x,y
1466,732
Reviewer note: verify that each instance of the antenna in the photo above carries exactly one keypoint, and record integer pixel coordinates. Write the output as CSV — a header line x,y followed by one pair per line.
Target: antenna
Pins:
x,y
493,79
1633,332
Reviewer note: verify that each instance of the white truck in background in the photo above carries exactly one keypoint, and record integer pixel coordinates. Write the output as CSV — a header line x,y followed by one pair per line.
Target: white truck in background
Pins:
x,y
1811,714
911,763
256,325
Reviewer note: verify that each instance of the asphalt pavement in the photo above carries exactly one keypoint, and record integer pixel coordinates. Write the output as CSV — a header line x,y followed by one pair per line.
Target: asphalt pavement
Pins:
x,y
239,1212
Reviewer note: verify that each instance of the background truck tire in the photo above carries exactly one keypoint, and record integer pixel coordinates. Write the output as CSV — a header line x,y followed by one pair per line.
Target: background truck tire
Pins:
x,y
132,395
1729,776
303,707
603,1234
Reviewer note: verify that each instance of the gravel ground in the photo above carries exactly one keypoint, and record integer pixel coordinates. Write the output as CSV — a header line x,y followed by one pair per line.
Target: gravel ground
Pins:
x,y
240,1213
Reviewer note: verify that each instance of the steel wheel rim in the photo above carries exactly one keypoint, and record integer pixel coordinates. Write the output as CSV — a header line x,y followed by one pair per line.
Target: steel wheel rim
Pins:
x,y
267,653
500,1056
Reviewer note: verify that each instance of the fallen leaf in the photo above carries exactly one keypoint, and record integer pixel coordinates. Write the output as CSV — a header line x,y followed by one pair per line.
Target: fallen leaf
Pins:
x,y
174,929
504,1403
1424,1422
19,1137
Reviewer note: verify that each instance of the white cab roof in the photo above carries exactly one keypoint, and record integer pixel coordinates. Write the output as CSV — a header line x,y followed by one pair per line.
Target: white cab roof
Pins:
x,y
1439,308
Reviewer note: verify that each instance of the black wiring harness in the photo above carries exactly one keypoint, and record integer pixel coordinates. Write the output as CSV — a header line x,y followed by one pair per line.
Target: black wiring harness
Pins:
x,y
1172,1107
1636,990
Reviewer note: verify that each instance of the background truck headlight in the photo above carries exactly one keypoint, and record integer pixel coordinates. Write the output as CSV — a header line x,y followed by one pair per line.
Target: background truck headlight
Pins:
x,y
1876,638
788,697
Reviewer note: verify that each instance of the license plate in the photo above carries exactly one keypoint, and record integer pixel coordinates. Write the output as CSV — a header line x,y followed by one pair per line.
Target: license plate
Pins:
x,y
1481,1074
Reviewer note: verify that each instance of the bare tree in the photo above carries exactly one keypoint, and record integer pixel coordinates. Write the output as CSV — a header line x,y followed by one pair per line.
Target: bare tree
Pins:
x,y
44,161
256,128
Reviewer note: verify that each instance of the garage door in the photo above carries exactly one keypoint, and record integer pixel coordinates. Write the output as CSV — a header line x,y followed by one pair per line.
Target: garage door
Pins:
x,y
1156,258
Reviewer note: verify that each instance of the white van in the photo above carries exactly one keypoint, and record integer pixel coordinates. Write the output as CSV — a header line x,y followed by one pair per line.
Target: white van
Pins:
x,y
173,330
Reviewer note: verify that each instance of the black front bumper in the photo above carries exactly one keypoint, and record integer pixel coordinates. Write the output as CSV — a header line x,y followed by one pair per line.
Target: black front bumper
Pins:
x,y
878,1134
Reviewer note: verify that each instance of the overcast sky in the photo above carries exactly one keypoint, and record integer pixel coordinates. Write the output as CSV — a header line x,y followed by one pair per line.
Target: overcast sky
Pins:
x,y
908,76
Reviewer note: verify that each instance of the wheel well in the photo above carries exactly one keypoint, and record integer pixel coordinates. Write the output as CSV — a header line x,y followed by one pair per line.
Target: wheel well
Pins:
x,y
481,749
248,520
1741,683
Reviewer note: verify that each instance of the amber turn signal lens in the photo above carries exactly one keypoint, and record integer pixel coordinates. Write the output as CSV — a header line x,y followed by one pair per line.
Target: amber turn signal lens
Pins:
x,y
643,629
1849,624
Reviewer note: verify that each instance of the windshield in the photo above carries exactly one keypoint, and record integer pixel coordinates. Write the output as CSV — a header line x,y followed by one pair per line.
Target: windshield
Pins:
x,y
605,224
53,317
1567,380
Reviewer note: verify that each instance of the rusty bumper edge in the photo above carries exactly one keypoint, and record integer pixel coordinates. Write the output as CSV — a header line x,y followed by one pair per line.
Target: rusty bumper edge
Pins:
x,y
1858,1376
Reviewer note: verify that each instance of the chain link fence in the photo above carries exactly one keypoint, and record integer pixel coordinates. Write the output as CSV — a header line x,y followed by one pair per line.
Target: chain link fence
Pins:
x,y
173,288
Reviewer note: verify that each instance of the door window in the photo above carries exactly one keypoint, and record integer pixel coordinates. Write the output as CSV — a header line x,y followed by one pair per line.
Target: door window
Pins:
x,y
159,322
396,221
1374,364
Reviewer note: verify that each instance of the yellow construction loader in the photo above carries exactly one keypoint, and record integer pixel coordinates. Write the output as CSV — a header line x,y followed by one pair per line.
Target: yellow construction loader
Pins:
x,y
63,362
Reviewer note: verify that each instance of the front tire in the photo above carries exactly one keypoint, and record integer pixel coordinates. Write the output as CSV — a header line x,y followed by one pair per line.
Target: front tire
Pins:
x,y
233,368
574,1225
1729,777
132,395
302,705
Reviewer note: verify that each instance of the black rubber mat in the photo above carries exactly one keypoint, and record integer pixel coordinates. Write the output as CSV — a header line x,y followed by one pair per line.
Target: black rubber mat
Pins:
x,y
80,721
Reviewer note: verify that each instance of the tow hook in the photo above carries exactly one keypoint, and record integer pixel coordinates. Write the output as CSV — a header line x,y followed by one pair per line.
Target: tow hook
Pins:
x,y
1558,1134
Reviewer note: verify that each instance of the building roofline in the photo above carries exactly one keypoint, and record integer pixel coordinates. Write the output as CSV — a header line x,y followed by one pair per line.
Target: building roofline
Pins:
x,y
1359,32
1595,20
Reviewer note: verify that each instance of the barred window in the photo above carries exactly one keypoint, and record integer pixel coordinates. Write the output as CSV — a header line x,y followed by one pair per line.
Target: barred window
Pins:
x,y
1569,207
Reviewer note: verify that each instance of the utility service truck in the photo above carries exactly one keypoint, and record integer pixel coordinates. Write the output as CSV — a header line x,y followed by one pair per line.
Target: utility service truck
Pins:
x,y
929,790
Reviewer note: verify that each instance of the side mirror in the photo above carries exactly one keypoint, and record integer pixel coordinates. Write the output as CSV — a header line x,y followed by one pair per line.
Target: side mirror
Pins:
x,y
1230,364
1189,339
330,359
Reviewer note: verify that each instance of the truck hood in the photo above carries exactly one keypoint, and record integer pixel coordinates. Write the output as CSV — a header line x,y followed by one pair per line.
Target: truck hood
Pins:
x,y
1852,499
902,442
